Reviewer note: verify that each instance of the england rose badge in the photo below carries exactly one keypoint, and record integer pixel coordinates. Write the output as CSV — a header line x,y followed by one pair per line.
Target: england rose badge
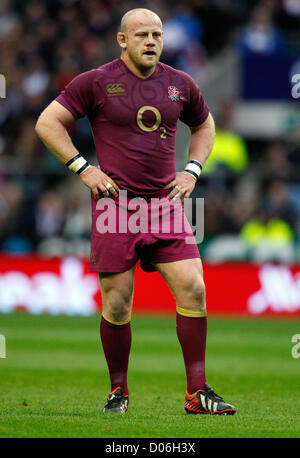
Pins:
x,y
173,93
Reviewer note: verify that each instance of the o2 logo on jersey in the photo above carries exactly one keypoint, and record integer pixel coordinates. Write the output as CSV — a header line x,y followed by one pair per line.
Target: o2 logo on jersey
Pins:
x,y
155,126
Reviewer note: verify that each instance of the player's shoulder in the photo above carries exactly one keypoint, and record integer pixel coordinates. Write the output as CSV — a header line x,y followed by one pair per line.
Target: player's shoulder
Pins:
x,y
110,68
176,74
96,74
84,79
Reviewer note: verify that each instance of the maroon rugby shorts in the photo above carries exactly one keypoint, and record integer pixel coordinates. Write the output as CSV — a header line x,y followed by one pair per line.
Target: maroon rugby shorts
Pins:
x,y
127,229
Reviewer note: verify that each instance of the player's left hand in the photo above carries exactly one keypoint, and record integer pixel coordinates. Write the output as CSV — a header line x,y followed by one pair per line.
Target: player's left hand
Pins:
x,y
182,185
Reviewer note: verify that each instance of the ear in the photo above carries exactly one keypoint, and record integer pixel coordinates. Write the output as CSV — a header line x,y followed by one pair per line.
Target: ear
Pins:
x,y
122,39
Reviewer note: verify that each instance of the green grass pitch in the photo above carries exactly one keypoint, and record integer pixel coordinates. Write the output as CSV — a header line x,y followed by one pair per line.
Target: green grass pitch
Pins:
x,y
53,382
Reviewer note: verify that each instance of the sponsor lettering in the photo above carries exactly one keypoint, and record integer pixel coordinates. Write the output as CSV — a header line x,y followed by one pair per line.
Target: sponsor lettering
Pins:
x,y
70,292
279,292
115,89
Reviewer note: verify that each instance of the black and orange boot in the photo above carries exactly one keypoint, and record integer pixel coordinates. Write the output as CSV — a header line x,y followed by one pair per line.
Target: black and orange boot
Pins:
x,y
208,402
116,402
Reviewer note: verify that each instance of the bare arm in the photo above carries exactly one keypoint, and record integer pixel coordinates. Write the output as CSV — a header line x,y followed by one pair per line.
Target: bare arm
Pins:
x,y
51,128
202,141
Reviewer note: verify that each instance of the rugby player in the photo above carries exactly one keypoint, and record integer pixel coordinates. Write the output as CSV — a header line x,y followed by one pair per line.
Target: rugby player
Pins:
x,y
133,104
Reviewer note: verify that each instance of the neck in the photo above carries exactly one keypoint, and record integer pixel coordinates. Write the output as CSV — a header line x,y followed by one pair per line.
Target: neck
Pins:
x,y
141,72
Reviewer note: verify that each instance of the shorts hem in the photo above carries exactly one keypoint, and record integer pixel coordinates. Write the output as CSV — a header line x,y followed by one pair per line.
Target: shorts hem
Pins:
x,y
176,258
115,269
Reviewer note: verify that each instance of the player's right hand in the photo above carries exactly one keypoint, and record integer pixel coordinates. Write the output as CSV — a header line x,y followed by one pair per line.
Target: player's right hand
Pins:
x,y
98,182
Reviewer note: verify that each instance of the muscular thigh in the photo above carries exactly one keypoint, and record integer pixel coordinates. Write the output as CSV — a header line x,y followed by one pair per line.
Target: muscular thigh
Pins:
x,y
185,279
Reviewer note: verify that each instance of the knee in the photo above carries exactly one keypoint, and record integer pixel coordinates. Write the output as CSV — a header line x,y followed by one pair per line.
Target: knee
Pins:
x,y
195,294
117,304
199,291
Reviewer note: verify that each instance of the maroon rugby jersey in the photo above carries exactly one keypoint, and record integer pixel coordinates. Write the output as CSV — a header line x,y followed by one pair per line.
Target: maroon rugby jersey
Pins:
x,y
134,120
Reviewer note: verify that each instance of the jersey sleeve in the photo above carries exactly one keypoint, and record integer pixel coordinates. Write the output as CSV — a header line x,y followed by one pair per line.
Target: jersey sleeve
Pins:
x,y
195,110
79,95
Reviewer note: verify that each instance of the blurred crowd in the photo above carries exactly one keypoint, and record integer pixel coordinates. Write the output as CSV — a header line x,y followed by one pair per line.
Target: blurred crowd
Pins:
x,y
251,189
253,211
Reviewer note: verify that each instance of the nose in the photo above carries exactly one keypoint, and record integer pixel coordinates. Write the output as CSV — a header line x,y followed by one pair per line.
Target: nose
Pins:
x,y
150,39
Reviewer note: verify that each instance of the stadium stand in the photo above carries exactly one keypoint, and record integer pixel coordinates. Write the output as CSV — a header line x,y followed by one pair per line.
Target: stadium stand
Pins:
x,y
253,174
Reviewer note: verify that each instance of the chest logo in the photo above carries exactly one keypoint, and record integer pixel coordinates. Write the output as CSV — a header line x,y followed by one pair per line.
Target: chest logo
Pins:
x,y
173,93
115,89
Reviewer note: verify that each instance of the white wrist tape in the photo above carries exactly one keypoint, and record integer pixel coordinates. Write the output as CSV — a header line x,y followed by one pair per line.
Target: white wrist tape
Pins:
x,y
78,164
194,168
